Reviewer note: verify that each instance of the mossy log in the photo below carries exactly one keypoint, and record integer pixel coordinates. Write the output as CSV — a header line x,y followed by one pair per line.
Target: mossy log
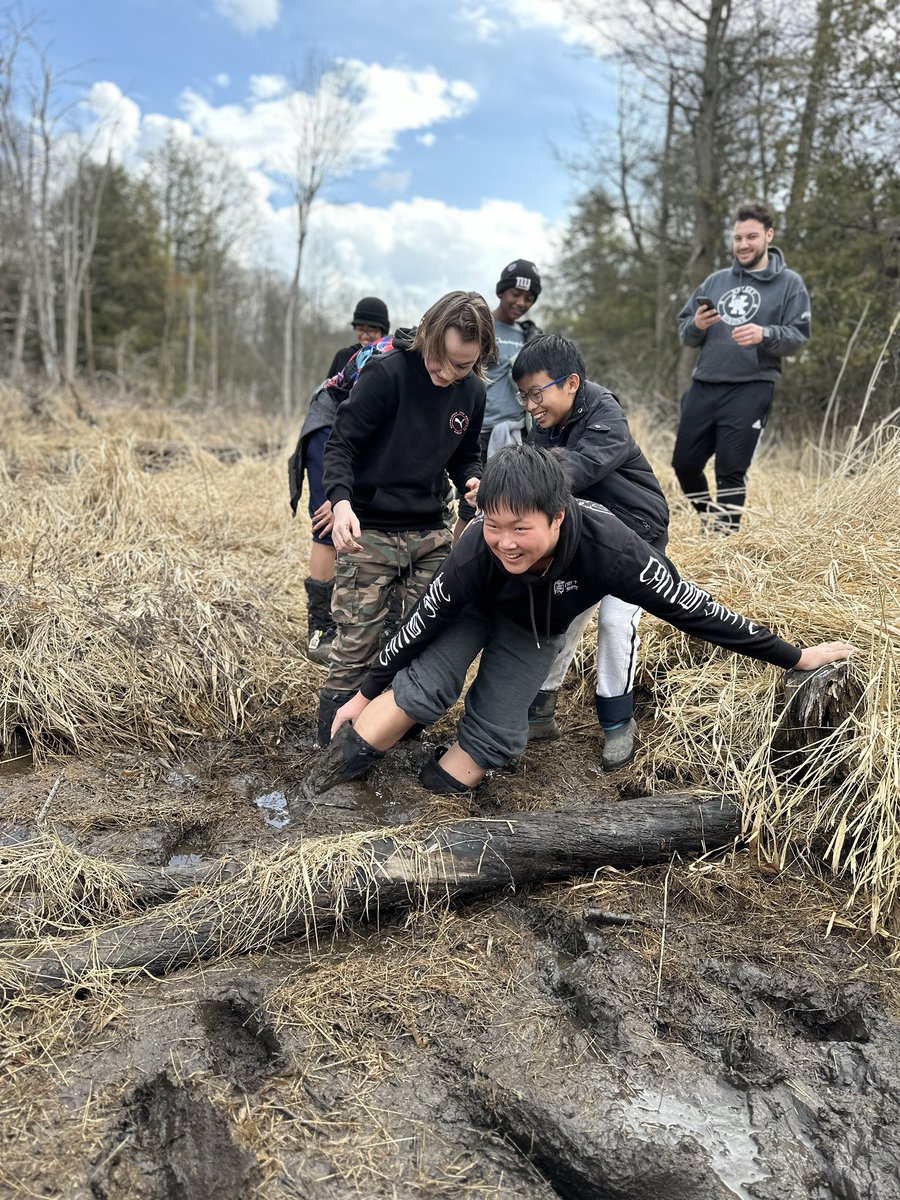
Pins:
x,y
300,892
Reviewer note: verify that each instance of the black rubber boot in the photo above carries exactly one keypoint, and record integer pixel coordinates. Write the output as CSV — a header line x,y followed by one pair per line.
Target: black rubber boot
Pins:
x,y
542,724
329,702
347,757
320,626
434,778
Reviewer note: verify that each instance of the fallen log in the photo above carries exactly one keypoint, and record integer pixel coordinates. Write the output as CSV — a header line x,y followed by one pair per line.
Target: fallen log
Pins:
x,y
301,891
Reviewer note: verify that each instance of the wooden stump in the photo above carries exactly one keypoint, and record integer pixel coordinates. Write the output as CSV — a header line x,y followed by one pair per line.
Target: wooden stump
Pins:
x,y
816,703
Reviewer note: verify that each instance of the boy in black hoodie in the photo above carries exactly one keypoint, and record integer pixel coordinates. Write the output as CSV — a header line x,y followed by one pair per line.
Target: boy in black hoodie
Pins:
x,y
517,578
605,464
412,414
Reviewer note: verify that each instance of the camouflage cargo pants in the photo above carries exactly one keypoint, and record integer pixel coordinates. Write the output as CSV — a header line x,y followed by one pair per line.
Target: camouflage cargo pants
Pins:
x,y
377,586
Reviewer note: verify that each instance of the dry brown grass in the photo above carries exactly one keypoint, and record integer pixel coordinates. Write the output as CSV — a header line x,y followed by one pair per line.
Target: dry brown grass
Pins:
x,y
145,601
149,607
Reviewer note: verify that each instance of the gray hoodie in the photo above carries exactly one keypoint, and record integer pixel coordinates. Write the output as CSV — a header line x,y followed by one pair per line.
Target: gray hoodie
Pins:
x,y
775,298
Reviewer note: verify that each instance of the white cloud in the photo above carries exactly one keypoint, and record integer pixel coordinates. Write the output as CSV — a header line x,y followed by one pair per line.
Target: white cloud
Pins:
x,y
266,87
427,139
387,101
555,15
392,181
247,16
117,120
415,250
222,80
485,27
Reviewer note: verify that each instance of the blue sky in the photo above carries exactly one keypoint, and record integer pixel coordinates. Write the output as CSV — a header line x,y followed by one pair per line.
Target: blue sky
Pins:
x,y
463,109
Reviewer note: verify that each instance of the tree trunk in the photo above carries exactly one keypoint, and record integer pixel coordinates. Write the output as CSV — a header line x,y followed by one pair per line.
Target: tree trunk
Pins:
x,y
191,351
707,151
301,892
663,359
18,355
290,321
822,55
89,366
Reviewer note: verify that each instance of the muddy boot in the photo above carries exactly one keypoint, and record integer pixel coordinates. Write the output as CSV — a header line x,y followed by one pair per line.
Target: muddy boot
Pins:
x,y
329,702
348,757
619,746
434,778
542,724
320,626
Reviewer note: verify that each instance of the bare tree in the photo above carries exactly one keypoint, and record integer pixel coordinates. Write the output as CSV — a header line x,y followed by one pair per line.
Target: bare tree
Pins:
x,y
27,144
322,116
81,219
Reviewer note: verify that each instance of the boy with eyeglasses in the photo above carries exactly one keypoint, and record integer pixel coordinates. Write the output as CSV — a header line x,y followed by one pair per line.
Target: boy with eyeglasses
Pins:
x,y
606,465
519,575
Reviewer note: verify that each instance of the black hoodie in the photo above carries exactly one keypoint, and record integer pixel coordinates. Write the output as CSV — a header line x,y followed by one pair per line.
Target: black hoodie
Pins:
x,y
394,437
596,556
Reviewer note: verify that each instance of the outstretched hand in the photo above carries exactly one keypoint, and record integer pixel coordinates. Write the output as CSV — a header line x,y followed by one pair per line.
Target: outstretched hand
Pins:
x,y
813,657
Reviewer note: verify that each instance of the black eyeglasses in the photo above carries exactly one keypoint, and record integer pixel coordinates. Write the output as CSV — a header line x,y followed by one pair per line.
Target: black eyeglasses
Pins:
x,y
534,396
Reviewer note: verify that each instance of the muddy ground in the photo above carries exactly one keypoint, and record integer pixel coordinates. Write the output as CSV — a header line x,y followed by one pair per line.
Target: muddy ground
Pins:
x,y
674,1033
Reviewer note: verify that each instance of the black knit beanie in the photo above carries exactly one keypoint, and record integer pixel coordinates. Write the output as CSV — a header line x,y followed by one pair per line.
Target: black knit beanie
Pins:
x,y
372,311
520,273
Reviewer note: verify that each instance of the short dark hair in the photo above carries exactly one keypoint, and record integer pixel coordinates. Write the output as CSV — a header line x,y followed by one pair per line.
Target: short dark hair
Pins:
x,y
754,212
551,353
525,479
469,315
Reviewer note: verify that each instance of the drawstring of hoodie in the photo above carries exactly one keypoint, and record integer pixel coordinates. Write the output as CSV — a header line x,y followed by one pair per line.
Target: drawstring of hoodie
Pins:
x,y
534,630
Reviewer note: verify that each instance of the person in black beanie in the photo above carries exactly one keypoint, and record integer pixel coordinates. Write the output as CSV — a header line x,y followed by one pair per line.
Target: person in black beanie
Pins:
x,y
370,322
518,288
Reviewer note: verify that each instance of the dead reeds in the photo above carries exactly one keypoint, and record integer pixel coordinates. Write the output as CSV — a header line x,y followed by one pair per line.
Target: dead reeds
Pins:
x,y
151,596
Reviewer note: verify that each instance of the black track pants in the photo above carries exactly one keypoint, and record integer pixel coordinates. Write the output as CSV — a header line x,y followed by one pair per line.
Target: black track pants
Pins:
x,y
725,420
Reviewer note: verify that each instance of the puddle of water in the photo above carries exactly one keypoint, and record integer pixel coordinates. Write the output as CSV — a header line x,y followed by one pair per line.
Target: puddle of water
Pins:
x,y
720,1122
275,809
180,781
184,860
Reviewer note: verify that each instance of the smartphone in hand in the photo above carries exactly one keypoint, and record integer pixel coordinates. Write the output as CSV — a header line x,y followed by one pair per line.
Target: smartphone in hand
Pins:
x,y
704,302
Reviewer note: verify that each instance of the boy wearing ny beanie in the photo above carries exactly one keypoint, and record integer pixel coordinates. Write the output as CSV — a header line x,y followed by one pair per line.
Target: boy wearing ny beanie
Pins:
x,y
517,289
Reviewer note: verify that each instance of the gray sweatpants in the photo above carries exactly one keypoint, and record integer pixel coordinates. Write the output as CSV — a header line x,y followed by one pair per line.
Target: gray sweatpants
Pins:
x,y
494,726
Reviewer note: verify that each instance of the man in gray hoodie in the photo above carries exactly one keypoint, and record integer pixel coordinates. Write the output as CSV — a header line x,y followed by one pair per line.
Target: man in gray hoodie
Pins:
x,y
745,319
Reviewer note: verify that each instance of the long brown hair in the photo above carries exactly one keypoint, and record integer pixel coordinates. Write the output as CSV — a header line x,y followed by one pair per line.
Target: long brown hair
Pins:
x,y
469,315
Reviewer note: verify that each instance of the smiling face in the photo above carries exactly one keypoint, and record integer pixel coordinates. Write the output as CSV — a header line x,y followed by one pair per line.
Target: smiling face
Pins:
x,y
555,402
751,241
459,359
514,304
522,541
367,334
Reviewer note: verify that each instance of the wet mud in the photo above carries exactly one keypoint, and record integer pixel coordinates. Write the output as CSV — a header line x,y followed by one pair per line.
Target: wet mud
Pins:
x,y
672,1033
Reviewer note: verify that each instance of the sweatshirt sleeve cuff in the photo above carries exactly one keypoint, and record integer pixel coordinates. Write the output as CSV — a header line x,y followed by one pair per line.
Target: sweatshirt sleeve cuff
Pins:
x,y
338,493
785,655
